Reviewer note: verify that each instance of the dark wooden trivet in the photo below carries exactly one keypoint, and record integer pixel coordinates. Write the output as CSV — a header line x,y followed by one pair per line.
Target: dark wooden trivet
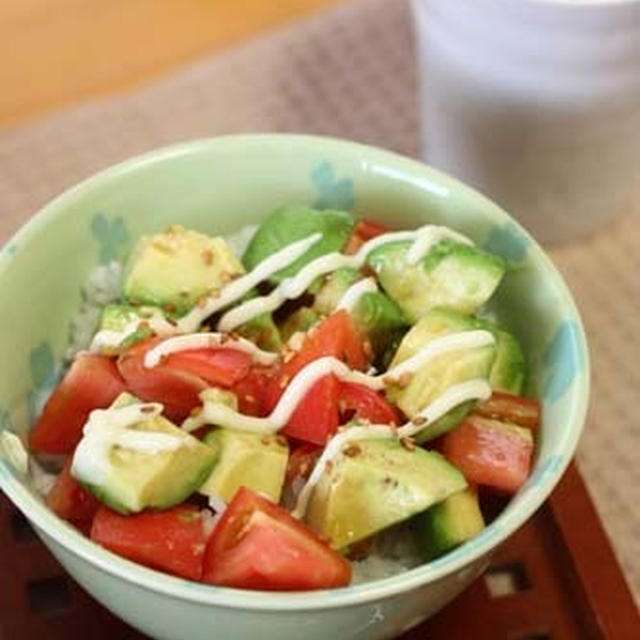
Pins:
x,y
556,579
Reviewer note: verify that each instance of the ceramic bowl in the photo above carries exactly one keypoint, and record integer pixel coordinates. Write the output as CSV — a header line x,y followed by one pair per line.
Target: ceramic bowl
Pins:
x,y
217,186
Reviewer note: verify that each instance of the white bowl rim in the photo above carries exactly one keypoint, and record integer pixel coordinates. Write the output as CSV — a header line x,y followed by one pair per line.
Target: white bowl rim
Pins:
x,y
505,525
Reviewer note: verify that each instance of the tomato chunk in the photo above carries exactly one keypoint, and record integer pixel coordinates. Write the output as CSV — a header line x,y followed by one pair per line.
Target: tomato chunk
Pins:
x,y
172,540
364,230
252,391
219,367
70,500
490,453
259,545
177,389
511,408
360,402
92,382
316,416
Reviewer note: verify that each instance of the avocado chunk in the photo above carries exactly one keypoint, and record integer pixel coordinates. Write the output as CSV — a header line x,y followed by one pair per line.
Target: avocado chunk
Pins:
x,y
137,479
254,460
433,379
262,331
176,268
448,524
288,224
301,320
509,369
376,484
333,288
452,274
379,318
128,320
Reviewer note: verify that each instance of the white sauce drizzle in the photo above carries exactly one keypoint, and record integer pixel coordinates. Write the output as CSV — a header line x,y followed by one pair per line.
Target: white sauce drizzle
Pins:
x,y
108,427
224,416
423,239
241,286
108,340
176,344
352,295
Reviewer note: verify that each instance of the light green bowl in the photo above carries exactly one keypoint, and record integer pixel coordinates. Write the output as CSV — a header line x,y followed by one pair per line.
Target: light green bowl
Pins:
x,y
218,186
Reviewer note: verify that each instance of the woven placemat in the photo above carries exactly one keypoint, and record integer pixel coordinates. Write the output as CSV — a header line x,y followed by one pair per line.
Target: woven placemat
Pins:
x,y
350,72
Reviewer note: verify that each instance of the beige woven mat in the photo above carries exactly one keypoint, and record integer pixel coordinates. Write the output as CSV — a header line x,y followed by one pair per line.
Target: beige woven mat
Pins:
x,y
350,73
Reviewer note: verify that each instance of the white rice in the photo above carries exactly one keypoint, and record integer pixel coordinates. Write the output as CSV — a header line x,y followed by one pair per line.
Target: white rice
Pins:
x,y
103,286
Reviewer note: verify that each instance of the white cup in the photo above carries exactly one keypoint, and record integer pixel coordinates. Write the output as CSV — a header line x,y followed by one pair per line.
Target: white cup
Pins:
x,y
536,103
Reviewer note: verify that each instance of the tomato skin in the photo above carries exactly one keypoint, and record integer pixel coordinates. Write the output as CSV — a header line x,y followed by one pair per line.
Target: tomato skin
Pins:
x,y
364,230
259,545
365,404
221,367
316,416
251,391
92,382
69,499
488,455
172,540
177,390
520,410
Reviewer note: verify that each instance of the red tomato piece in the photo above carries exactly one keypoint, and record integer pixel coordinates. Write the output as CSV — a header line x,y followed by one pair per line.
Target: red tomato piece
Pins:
x,y
172,540
69,499
301,462
178,390
251,391
520,410
259,545
489,453
92,382
316,416
360,402
364,230
221,367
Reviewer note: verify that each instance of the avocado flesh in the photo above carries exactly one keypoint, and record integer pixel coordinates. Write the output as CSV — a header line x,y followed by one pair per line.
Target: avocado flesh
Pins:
x,y
176,268
509,370
262,331
382,484
301,319
333,288
291,223
448,524
452,274
257,461
120,317
433,379
379,318
137,480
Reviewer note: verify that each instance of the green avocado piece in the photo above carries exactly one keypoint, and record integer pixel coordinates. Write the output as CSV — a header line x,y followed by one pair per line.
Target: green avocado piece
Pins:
x,y
333,288
137,480
452,274
301,319
254,460
437,376
377,484
448,524
262,331
175,268
120,317
509,369
379,318
288,224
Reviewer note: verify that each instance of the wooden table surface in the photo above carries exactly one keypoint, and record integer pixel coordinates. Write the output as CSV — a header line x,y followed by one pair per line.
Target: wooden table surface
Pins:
x,y
56,52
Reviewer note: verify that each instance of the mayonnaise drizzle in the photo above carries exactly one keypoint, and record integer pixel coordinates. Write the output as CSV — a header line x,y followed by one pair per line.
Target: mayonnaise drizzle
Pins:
x,y
224,416
352,295
241,286
176,344
109,340
423,240
108,427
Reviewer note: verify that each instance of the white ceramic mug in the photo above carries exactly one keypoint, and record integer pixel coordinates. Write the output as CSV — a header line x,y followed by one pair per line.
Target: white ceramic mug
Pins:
x,y
536,103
